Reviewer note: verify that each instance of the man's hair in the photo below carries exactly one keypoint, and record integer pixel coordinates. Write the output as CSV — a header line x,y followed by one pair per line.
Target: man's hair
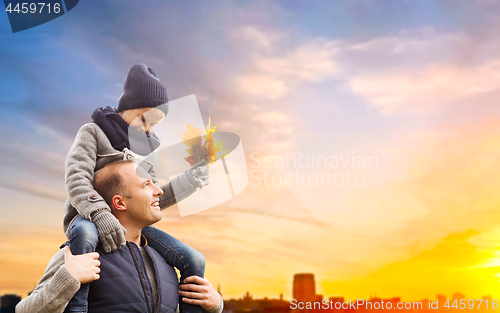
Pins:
x,y
108,181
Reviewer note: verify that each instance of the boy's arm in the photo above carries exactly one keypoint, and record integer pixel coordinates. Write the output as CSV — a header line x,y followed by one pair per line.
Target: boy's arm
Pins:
x,y
54,290
80,166
79,169
184,184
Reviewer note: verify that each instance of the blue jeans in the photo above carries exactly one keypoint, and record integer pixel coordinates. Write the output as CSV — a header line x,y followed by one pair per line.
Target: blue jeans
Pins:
x,y
82,239
189,262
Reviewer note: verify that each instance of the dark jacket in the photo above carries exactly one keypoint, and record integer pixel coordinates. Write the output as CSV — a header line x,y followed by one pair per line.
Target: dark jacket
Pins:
x,y
124,285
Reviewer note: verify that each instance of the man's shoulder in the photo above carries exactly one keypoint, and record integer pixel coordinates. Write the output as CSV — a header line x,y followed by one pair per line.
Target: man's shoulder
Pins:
x,y
54,264
58,257
56,287
162,265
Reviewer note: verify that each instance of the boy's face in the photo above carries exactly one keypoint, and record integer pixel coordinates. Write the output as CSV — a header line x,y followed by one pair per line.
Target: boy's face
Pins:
x,y
143,119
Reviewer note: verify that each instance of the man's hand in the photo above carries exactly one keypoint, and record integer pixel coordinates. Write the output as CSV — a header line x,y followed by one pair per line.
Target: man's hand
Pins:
x,y
84,267
199,291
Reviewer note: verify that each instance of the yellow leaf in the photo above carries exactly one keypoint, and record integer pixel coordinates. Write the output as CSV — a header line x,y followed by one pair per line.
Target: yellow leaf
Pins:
x,y
202,146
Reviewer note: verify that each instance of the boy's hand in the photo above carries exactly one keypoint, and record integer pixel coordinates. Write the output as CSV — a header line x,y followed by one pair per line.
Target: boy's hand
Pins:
x,y
84,267
199,291
198,174
111,232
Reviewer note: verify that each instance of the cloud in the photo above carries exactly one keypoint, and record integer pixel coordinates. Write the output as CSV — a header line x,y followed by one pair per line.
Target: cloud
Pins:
x,y
33,160
279,132
275,71
426,90
413,71
420,71
262,40
264,86
312,62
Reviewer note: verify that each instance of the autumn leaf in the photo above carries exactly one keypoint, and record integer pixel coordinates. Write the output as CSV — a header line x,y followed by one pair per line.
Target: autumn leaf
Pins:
x,y
202,146
191,160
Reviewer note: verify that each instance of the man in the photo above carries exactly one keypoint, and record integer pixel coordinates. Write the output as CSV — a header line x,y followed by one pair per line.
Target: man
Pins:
x,y
133,279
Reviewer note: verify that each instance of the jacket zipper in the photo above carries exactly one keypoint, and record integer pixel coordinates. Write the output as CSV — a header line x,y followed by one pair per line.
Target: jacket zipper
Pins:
x,y
140,276
157,282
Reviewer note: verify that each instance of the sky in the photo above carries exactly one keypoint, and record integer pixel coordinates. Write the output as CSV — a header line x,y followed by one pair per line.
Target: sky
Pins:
x,y
370,132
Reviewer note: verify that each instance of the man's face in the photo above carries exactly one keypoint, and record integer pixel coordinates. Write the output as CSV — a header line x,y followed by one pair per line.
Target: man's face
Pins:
x,y
142,205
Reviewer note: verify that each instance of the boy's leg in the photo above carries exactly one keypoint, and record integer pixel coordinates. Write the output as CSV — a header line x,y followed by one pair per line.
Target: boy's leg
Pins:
x,y
187,260
82,239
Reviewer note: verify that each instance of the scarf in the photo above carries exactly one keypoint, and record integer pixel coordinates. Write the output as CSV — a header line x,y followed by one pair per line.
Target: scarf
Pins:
x,y
121,135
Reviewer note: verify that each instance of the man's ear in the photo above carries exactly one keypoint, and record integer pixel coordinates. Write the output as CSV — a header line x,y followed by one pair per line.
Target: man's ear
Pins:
x,y
118,203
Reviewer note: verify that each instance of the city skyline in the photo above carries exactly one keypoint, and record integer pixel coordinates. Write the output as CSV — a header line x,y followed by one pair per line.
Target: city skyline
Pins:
x,y
304,290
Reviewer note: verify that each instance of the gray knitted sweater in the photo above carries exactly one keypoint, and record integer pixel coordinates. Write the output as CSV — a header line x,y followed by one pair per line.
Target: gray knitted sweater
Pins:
x,y
90,152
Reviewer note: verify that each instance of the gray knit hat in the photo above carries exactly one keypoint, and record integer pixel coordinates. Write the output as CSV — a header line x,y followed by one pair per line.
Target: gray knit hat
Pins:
x,y
142,89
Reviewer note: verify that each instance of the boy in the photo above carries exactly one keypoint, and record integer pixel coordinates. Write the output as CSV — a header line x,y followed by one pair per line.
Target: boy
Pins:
x,y
117,134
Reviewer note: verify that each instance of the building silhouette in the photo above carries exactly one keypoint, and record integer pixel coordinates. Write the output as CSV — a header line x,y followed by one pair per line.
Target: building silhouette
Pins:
x,y
8,303
304,291
304,288
247,304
